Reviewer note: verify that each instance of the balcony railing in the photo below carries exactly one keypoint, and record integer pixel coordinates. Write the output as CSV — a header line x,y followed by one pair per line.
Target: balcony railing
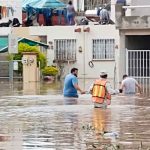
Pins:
x,y
127,19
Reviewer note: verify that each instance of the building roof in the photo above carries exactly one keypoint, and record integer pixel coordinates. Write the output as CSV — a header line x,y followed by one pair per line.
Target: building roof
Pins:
x,y
4,43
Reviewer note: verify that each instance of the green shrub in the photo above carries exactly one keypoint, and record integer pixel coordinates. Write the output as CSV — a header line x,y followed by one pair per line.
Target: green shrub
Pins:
x,y
50,70
23,47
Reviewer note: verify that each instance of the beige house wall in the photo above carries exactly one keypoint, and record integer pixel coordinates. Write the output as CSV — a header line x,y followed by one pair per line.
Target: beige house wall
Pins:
x,y
84,40
24,32
140,11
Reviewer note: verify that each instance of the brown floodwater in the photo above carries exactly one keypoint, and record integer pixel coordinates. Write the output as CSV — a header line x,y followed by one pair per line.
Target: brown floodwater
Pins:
x,y
36,116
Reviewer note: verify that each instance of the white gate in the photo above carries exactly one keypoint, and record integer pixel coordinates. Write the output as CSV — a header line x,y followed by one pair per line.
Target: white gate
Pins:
x,y
138,63
138,66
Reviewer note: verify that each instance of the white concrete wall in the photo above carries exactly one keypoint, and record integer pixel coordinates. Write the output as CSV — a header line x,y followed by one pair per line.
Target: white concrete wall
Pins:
x,y
112,14
16,5
4,31
140,11
84,39
78,5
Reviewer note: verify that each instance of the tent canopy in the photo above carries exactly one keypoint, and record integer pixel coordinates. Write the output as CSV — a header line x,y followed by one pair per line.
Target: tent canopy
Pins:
x,y
49,4
43,3
29,2
4,43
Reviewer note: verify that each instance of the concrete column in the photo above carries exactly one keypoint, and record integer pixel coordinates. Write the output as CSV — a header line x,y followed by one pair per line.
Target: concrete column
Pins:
x,y
122,56
119,13
112,14
75,4
30,71
78,5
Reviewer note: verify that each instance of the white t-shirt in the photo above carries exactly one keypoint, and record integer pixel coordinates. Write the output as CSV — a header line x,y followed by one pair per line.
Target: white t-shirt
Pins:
x,y
70,9
129,85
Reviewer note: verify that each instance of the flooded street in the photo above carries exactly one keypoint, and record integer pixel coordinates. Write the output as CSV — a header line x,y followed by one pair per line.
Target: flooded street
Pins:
x,y
38,117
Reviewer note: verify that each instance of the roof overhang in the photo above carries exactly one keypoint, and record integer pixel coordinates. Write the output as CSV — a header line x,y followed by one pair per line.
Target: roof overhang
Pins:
x,y
25,40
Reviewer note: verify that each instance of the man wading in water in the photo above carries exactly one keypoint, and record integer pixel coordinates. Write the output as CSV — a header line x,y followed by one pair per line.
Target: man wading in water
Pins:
x,y
71,84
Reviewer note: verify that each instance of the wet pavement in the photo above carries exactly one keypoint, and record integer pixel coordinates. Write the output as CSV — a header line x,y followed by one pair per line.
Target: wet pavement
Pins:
x,y
38,117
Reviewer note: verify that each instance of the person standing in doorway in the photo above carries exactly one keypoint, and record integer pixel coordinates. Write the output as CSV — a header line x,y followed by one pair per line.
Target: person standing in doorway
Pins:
x,y
129,84
71,84
101,91
70,13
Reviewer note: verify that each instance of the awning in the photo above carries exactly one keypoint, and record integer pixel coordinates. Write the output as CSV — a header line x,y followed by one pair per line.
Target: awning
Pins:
x,y
4,43
43,4
49,4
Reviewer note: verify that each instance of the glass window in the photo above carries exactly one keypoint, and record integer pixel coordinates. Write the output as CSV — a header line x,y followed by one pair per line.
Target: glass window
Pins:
x,y
103,49
65,49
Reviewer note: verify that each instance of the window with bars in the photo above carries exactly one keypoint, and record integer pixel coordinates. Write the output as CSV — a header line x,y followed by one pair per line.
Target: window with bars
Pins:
x,y
103,49
65,49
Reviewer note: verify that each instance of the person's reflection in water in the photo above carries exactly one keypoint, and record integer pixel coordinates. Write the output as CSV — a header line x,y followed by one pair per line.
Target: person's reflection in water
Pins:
x,y
70,101
99,123
99,120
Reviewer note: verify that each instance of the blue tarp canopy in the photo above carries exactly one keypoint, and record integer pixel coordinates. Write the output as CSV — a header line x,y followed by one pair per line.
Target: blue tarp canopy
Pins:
x,y
43,4
49,4
4,43
29,2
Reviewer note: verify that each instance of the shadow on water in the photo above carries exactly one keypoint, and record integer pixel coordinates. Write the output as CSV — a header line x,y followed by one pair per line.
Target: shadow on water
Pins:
x,y
37,116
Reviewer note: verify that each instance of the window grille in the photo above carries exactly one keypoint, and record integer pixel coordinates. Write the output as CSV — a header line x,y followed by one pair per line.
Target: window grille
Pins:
x,y
65,49
103,49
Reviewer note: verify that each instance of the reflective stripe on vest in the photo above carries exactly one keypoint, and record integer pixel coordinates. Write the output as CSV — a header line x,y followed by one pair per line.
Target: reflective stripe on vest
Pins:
x,y
99,91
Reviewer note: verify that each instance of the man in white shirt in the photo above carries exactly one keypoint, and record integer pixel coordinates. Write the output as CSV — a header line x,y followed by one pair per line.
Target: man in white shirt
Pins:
x,y
129,84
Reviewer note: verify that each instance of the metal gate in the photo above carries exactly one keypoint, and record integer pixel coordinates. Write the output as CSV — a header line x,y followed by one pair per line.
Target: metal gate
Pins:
x,y
138,66
138,63
8,70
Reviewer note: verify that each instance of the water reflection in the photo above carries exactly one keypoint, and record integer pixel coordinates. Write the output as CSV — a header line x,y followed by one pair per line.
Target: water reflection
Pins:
x,y
43,88
31,88
70,101
99,120
46,88
60,131
11,136
55,87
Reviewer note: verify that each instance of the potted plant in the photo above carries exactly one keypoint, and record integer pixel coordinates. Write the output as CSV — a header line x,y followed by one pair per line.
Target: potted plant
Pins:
x,y
49,73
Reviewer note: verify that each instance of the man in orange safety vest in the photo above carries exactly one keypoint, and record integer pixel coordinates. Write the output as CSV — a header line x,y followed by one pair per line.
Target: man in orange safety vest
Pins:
x,y
101,91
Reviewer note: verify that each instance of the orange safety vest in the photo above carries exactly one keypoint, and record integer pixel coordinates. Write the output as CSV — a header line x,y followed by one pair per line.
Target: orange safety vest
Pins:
x,y
99,93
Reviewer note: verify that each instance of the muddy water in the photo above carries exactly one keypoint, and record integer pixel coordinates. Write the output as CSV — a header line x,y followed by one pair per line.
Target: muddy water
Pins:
x,y
38,117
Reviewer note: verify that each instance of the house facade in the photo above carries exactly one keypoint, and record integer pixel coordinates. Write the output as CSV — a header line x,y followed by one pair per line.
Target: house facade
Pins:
x,y
134,31
90,48
118,49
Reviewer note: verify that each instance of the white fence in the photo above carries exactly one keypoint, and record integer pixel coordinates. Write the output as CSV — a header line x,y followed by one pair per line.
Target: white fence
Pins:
x,y
138,66
137,63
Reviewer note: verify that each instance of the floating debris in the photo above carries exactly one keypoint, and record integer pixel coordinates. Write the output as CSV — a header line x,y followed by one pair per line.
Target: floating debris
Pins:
x,y
111,135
